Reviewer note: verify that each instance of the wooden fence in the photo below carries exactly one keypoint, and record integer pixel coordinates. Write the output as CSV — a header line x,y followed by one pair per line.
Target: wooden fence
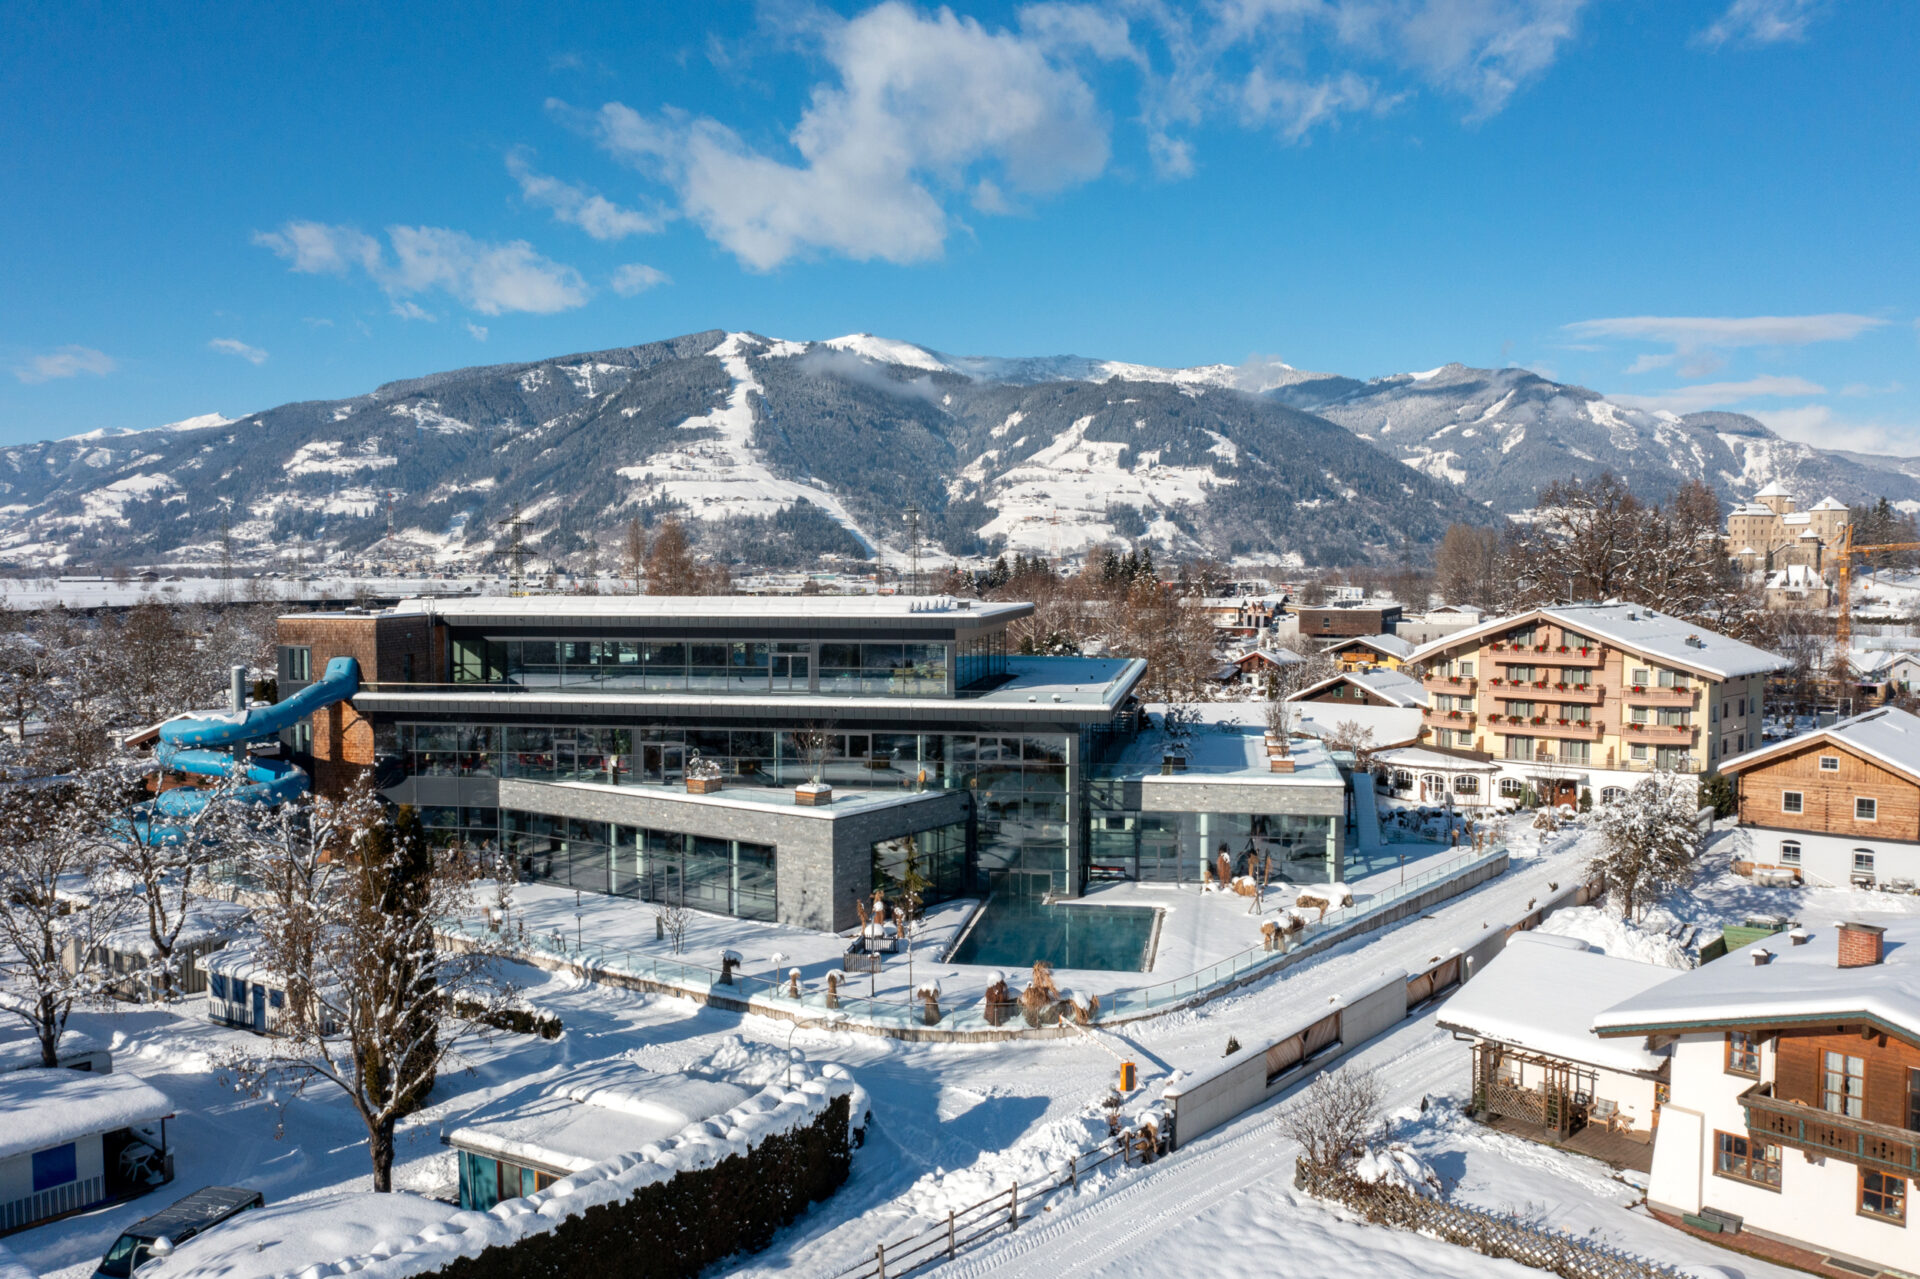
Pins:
x,y
1493,1234
1002,1212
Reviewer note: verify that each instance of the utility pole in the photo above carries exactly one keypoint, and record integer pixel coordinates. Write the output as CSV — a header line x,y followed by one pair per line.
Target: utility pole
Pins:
x,y
226,554
516,554
912,514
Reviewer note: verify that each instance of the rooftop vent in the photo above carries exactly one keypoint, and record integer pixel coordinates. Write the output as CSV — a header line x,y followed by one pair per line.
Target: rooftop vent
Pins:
x,y
1762,957
1861,945
1799,936
1694,641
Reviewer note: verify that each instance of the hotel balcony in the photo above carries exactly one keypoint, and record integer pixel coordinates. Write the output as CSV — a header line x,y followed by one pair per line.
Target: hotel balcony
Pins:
x,y
1450,685
1822,1132
1665,734
1448,719
1651,695
1552,654
1548,691
1546,726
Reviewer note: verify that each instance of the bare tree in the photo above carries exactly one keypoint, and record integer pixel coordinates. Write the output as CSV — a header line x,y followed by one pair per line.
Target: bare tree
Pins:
x,y
1340,1111
55,905
168,864
1351,735
633,554
1465,567
1648,841
375,1005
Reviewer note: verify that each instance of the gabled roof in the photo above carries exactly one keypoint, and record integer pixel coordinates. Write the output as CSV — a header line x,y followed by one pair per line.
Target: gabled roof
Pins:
x,y
1542,993
1828,504
1390,686
1773,488
1801,984
1888,736
1389,645
1444,757
1272,656
1669,639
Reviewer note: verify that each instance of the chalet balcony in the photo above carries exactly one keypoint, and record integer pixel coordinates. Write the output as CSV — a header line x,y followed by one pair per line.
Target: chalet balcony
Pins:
x,y
1665,734
1448,719
1549,690
1450,685
1552,654
1821,1132
1653,695
1546,726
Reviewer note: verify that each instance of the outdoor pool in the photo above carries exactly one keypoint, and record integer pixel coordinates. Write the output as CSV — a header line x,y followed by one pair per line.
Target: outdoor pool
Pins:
x,y
1013,931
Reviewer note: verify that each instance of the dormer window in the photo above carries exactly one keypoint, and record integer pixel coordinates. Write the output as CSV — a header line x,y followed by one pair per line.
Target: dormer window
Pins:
x,y
1829,763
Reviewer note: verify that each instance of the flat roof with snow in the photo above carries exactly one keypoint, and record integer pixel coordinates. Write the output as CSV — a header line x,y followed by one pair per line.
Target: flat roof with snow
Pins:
x,y
596,1113
680,610
1801,984
1541,994
51,1106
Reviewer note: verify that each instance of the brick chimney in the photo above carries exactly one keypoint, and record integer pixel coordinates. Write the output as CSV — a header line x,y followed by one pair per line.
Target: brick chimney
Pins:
x,y
1860,945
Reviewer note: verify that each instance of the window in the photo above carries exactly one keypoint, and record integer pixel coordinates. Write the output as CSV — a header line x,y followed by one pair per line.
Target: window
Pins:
x,y
1519,748
1743,1054
1866,810
1576,753
1843,1084
1520,710
1863,861
1913,1099
1641,677
1466,784
1639,751
299,664
1612,794
1520,674
1829,763
1792,801
1883,1195
1511,787
1738,1155
1789,852
55,1167
1466,670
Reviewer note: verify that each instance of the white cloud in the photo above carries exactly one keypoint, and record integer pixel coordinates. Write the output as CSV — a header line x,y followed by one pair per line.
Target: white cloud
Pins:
x,y
636,278
593,213
234,346
1689,333
1719,395
316,248
479,331
922,105
1816,424
1753,22
1297,107
68,361
485,276
413,311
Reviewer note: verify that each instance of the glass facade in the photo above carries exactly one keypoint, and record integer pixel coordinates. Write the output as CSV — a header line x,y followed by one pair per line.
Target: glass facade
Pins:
x,y
1172,847
711,666
937,857
723,876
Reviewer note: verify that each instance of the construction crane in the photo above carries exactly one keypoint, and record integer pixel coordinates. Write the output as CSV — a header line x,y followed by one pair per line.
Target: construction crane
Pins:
x,y
1843,619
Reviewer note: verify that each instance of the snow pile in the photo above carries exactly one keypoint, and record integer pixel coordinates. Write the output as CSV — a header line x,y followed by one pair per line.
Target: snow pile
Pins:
x,y
1617,937
1042,1155
48,1107
1398,1166
384,1252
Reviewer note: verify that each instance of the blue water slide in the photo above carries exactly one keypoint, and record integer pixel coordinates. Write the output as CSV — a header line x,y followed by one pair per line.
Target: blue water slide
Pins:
x,y
202,744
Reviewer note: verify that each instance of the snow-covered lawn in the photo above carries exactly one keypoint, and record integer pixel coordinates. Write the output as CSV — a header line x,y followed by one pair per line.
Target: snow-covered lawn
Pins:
x,y
955,1122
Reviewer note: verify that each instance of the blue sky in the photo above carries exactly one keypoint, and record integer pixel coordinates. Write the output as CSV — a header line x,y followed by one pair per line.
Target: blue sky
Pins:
x,y
221,208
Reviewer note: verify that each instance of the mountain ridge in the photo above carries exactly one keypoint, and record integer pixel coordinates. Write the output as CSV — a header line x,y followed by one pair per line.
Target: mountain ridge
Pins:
x,y
777,452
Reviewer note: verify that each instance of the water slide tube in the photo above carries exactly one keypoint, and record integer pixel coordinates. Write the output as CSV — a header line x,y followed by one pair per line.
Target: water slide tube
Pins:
x,y
202,744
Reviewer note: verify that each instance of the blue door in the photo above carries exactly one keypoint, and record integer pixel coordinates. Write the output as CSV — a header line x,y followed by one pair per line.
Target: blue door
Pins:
x,y
259,1008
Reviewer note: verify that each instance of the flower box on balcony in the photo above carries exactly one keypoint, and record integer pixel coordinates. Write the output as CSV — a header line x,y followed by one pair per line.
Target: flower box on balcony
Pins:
x,y
1580,688
1539,719
1585,651
1639,688
1453,714
1497,646
1561,687
1539,648
1539,683
1565,720
1453,679
703,785
1563,648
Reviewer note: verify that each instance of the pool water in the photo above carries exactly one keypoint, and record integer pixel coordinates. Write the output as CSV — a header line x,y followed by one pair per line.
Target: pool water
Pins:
x,y
1013,931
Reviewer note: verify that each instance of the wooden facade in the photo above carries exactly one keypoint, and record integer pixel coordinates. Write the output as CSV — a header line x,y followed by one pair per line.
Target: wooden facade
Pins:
x,y
389,649
1892,1071
1827,795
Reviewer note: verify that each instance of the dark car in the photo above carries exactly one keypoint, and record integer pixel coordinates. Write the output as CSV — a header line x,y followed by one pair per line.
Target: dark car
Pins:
x,y
199,1212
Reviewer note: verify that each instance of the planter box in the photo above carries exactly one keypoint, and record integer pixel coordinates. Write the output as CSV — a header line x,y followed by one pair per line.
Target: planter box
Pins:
x,y
703,785
1280,764
813,796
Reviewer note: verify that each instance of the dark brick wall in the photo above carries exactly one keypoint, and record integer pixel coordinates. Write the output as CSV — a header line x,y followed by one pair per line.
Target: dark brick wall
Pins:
x,y
342,738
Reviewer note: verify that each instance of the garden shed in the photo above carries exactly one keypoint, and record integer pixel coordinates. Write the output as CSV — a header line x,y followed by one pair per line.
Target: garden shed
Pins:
x,y
73,1140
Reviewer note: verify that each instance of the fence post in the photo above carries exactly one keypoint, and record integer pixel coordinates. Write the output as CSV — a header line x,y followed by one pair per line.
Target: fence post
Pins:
x,y
880,1260
1073,1171
949,1233
1013,1206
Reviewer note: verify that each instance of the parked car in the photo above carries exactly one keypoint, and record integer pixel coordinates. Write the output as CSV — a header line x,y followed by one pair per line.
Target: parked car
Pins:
x,y
198,1213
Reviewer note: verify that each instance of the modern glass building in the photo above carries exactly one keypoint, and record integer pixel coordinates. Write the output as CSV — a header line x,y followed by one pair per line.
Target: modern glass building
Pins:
x,y
565,729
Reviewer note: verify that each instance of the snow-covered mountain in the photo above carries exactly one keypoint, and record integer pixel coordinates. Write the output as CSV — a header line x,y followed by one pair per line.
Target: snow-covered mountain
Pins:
x,y
1500,434
776,452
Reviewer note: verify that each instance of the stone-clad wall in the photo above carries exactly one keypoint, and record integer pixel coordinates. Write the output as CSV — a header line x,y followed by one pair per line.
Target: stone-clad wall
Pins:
x,y
824,857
